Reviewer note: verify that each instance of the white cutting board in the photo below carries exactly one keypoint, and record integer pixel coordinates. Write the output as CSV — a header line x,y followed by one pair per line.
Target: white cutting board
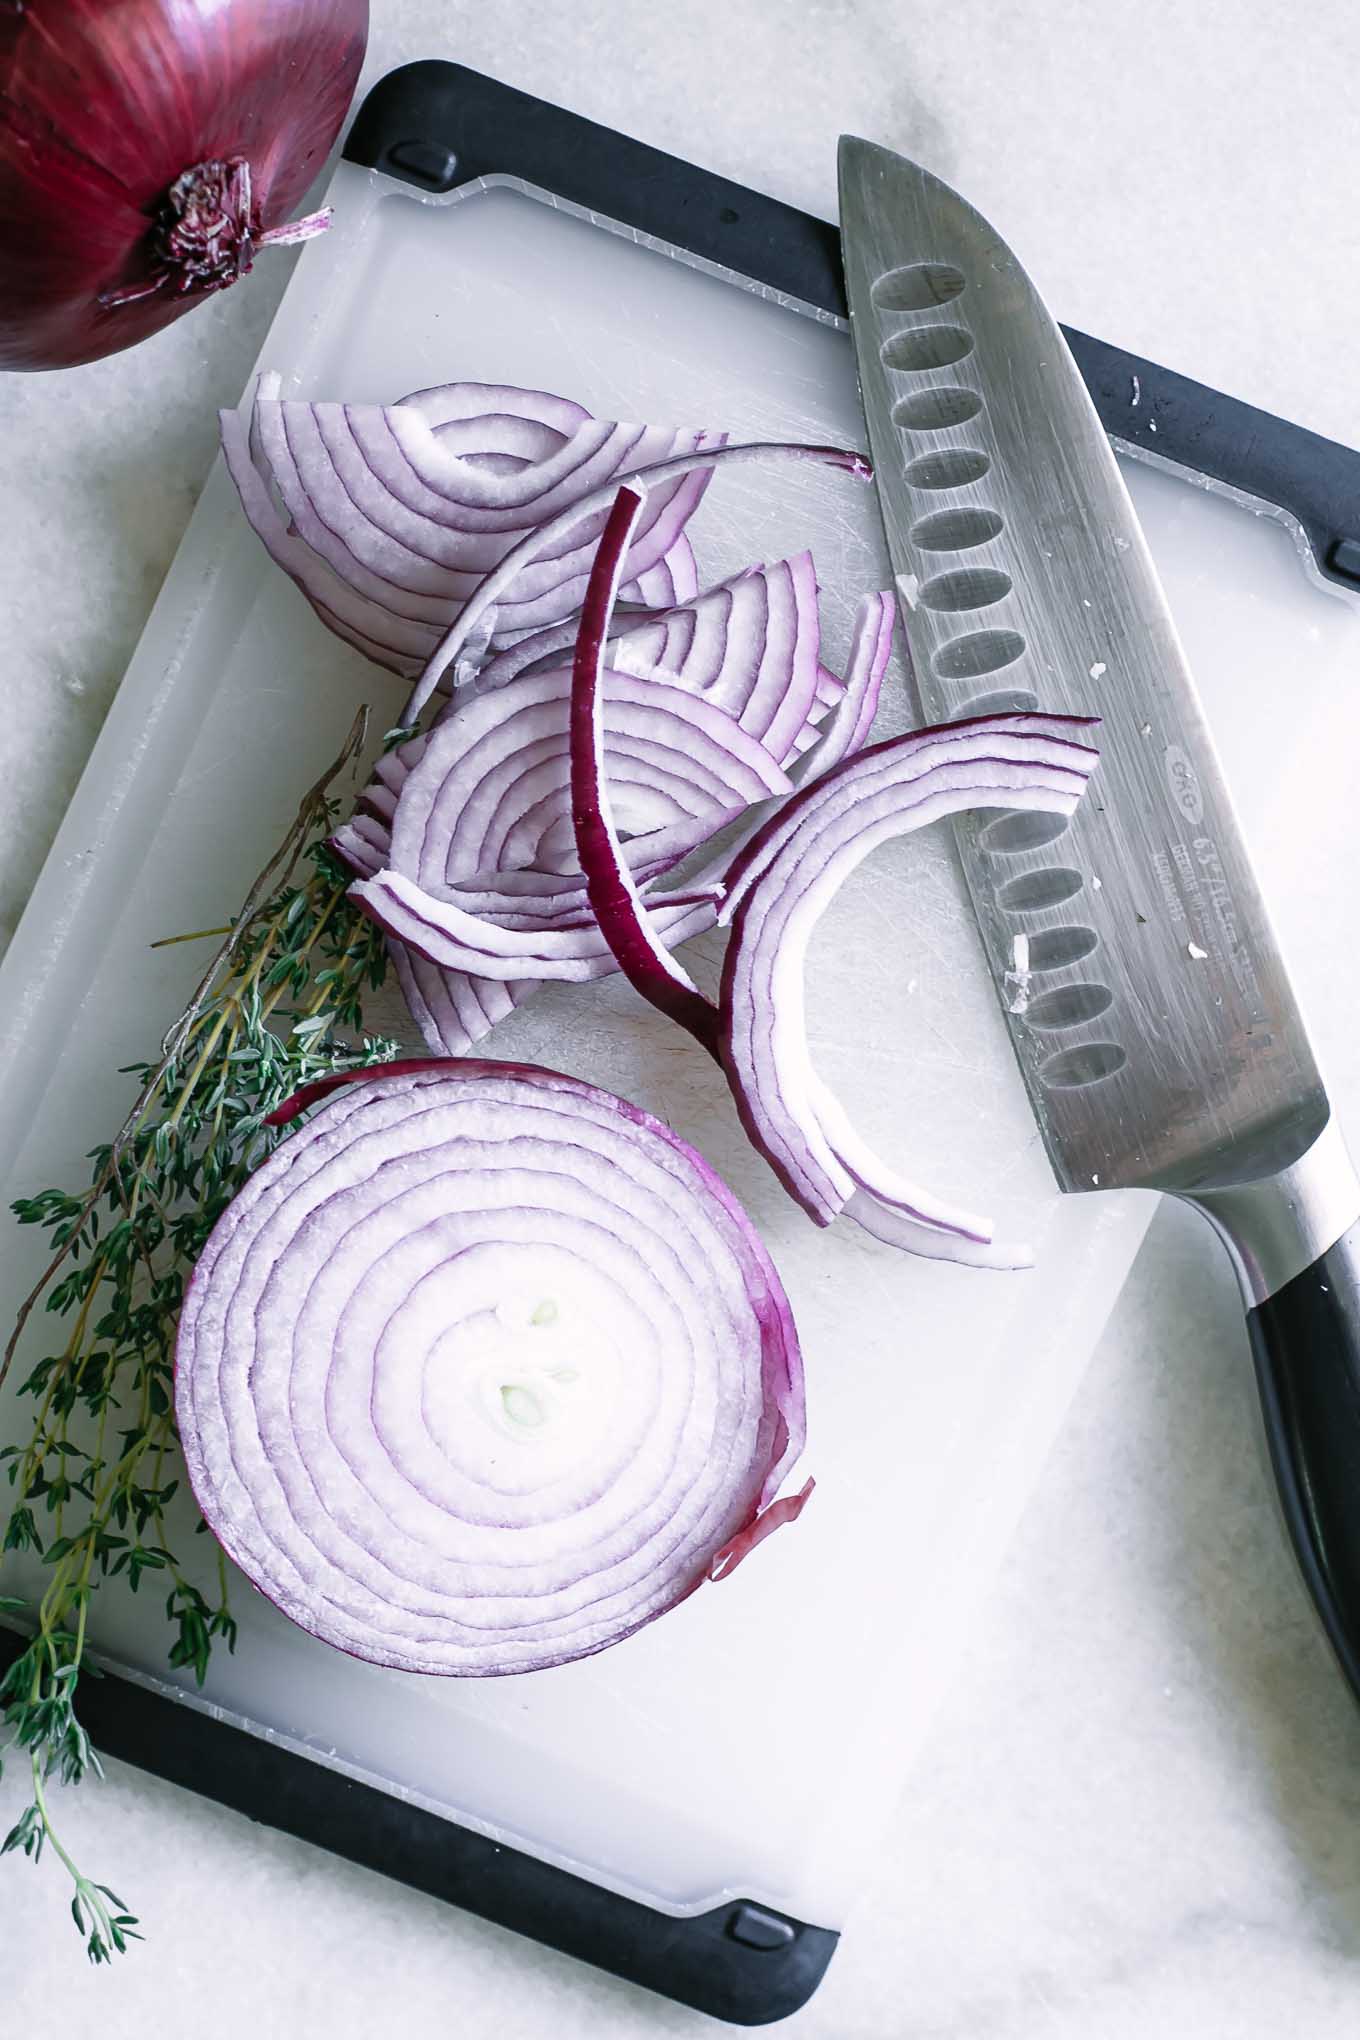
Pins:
x,y
753,1741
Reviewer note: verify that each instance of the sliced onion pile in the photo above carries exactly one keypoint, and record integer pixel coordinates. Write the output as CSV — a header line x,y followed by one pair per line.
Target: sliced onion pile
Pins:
x,y
497,852
457,656
725,652
484,1369
389,516
464,842
482,872
775,892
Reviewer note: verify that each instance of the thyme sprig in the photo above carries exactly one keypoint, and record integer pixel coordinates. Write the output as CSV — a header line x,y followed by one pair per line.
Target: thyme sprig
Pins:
x,y
279,1005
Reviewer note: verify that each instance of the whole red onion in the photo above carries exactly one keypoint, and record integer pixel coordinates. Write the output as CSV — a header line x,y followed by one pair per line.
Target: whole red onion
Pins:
x,y
148,148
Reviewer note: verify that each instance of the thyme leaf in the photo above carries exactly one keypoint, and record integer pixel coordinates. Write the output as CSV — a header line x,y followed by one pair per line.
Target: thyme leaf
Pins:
x,y
280,1004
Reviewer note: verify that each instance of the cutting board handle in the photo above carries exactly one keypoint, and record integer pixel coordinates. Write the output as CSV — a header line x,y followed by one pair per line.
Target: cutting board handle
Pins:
x,y
436,125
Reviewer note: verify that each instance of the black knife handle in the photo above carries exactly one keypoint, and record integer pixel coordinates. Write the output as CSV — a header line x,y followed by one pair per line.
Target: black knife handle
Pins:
x,y
1306,1343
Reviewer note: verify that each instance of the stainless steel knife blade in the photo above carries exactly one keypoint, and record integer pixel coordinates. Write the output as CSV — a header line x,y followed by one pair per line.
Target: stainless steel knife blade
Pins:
x,y
1146,998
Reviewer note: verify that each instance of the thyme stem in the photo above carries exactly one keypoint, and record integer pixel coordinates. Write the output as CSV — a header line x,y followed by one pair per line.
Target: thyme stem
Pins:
x,y
279,1005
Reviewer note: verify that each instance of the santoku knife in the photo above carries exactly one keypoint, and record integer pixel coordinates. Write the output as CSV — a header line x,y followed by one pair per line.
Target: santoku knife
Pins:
x,y
1147,1001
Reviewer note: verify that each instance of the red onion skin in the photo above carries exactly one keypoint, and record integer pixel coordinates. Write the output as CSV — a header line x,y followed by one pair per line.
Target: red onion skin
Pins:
x,y
311,1094
104,104
769,1519
615,904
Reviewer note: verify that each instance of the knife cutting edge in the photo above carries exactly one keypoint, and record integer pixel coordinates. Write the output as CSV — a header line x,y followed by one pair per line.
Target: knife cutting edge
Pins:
x,y
1147,1002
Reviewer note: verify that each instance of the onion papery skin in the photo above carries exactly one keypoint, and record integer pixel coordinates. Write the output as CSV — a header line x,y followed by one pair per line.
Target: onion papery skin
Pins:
x,y
105,105
483,1370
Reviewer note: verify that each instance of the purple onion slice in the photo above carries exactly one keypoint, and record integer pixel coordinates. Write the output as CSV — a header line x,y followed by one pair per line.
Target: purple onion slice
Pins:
x,y
570,950
846,729
784,882
484,1369
388,518
491,787
635,937
581,524
749,645
701,652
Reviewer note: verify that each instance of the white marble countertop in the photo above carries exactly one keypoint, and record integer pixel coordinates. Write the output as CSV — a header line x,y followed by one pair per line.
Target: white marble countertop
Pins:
x,y
1140,1814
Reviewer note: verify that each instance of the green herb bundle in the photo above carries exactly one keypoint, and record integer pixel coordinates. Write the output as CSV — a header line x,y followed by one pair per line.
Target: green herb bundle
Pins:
x,y
280,1004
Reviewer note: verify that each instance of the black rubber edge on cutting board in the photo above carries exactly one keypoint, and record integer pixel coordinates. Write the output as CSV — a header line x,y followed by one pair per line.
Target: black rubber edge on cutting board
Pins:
x,y
695,1960
438,125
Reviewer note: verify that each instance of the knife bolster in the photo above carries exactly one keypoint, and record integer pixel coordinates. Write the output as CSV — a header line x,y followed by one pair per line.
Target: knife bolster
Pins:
x,y
1279,1225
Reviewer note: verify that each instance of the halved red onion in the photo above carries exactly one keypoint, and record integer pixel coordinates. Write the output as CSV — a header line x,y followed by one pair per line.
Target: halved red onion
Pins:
x,y
484,1369
388,517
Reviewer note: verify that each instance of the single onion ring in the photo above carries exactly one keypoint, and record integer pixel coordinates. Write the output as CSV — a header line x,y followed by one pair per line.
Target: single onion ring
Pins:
x,y
784,882
483,1369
